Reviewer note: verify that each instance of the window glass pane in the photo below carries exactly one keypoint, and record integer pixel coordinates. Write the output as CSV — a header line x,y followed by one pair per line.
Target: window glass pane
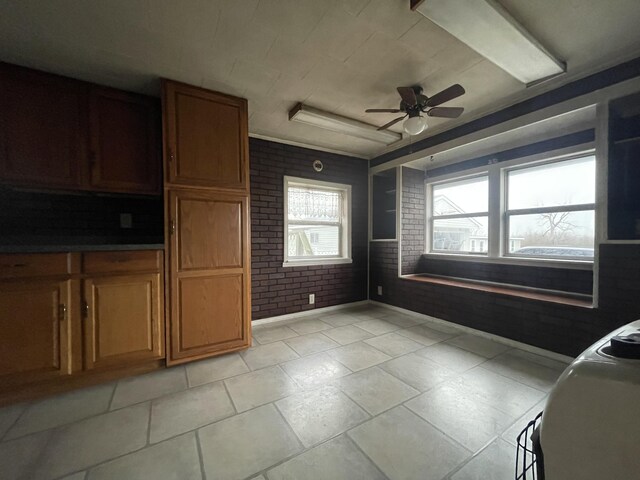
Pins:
x,y
309,204
460,235
558,234
564,183
464,196
313,240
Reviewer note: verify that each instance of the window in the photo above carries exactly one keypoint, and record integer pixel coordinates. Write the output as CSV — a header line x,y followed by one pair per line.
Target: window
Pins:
x,y
460,212
542,210
317,222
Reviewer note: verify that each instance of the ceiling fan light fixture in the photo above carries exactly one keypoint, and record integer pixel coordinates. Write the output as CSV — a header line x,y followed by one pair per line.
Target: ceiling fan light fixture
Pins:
x,y
415,125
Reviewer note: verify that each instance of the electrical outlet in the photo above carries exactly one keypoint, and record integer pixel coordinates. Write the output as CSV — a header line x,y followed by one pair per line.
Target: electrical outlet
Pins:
x,y
126,220
380,290
312,298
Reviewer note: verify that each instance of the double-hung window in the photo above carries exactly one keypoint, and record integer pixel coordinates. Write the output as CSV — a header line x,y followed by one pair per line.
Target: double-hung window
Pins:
x,y
542,210
459,216
317,222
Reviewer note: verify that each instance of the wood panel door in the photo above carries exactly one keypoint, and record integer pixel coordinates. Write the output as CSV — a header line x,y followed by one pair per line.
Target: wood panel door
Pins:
x,y
209,288
35,329
124,320
124,142
43,132
206,139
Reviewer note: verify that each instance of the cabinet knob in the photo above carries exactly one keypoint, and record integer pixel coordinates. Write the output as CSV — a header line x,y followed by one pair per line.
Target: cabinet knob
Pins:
x,y
172,227
62,312
85,309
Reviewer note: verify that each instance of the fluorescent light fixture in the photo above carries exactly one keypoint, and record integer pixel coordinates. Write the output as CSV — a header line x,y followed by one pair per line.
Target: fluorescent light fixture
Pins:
x,y
490,30
336,123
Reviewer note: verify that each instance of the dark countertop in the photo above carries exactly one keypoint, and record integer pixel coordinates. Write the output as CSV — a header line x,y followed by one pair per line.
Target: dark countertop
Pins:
x,y
78,248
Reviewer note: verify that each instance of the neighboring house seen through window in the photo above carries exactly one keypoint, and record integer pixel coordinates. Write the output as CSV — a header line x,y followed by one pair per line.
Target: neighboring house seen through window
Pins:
x,y
540,210
317,222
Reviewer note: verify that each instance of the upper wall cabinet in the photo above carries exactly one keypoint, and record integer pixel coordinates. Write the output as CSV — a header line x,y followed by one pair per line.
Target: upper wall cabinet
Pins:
x,y
206,138
43,128
57,132
125,155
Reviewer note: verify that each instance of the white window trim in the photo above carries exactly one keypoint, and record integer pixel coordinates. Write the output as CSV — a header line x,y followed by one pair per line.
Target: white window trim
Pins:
x,y
345,224
497,173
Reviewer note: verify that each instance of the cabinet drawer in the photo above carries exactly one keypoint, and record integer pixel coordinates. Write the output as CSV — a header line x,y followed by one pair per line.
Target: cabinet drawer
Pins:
x,y
127,261
17,265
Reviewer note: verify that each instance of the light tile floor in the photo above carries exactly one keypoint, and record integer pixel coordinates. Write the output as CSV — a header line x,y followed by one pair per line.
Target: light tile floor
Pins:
x,y
365,393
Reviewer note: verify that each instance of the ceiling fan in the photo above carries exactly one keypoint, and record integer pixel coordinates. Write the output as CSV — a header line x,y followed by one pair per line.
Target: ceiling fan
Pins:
x,y
414,103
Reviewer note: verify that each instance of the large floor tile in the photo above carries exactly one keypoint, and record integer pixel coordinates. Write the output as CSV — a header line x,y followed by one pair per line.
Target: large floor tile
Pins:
x,y
358,356
310,325
375,390
183,411
406,447
511,434
376,326
417,371
337,459
524,370
451,357
479,345
63,409
466,419
424,335
266,355
315,370
146,387
393,344
311,343
257,388
268,334
94,440
340,319
320,414
76,476
214,369
175,459
500,392
495,462
9,415
401,320
245,444
347,334
18,457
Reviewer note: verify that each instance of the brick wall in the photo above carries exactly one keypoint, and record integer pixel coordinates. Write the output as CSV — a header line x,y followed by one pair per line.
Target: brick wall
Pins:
x,y
561,328
413,219
277,290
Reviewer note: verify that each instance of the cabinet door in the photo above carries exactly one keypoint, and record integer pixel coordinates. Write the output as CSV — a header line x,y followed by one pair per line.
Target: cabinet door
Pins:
x,y
209,274
124,320
42,128
206,139
124,142
35,326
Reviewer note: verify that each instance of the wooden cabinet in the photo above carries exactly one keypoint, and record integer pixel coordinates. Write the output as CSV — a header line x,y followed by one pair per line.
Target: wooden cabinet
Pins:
x,y
207,194
124,154
43,128
206,138
210,282
123,308
56,132
39,322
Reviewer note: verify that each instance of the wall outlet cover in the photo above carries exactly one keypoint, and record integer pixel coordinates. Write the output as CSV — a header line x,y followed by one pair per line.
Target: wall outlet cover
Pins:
x,y
126,220
312,298
380,290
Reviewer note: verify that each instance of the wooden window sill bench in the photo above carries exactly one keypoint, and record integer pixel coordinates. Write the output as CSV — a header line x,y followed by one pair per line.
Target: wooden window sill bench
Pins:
x,y
576,300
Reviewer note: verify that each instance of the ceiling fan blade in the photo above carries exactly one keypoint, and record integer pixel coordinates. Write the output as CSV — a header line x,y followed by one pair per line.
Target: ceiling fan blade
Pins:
x,y
454,91
445,112
382,110
391,123
408,95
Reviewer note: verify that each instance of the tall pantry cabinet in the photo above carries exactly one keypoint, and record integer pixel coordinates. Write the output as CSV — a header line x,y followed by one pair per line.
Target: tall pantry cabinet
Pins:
x,y
206,183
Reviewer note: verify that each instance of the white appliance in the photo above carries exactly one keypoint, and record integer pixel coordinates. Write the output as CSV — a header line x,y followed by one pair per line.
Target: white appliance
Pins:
x,y
590,427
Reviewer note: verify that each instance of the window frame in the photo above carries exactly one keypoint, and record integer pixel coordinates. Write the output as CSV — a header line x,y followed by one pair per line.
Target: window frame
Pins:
x,y
344,225
497,251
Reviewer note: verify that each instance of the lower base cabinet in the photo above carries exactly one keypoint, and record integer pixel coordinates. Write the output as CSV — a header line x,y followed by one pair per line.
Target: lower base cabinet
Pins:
x,y
124,320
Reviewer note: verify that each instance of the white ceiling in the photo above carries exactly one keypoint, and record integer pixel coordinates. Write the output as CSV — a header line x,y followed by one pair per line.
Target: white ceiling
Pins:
x,y
339,55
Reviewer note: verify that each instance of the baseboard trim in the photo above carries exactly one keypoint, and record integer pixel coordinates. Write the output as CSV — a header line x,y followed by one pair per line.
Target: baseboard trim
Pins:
x,y
480,333
292,317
